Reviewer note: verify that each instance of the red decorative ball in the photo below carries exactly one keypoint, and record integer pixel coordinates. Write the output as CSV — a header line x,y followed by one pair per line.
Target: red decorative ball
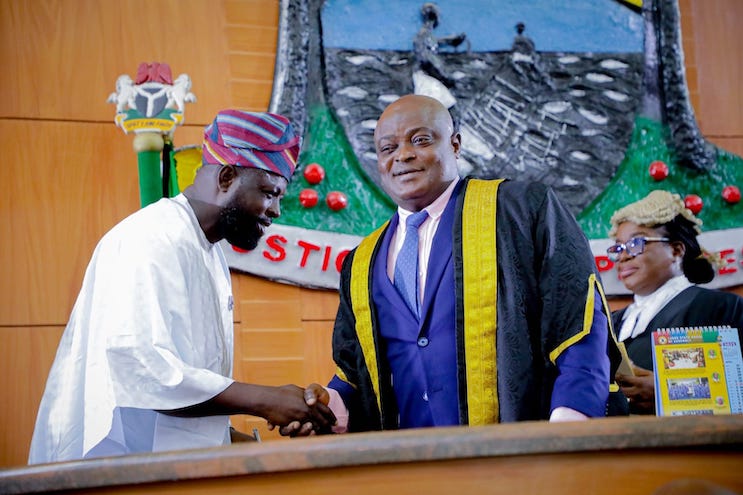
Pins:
x,y
314,173
731,194
694,203
658,170
308,198
336,200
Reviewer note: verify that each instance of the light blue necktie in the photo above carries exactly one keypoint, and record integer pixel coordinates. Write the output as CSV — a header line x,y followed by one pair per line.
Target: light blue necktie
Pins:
x,y
406,266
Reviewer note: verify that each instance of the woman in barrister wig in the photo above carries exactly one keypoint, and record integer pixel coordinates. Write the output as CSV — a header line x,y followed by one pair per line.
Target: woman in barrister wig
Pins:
x,y
659,259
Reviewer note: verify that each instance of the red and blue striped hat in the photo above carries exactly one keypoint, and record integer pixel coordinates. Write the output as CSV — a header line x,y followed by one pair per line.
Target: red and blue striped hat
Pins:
x,y
252,139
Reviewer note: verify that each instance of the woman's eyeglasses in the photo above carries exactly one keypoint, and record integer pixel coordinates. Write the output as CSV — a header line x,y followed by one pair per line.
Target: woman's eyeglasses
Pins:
x,y
633,247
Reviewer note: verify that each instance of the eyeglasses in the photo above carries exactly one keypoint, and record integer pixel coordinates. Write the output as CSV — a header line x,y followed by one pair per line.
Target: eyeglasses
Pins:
x,y
633,247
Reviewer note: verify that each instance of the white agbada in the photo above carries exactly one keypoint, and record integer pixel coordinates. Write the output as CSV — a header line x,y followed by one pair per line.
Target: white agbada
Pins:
x,y
152,328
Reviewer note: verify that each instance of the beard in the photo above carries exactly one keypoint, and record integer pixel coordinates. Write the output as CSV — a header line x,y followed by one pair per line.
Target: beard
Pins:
x,y
240,229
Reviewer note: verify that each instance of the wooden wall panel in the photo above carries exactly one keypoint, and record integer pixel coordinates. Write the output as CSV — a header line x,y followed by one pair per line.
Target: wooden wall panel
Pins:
x,y
272,370
25,358
61,58
731,144
251,95
266,313
719,65
255,291
252,32
318,355
319,304
251,38
286,324
60,194
282,356
257,13
251,66
275,345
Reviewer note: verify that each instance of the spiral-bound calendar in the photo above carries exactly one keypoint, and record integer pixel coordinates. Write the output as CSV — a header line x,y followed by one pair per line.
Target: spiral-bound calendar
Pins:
x,y
698,370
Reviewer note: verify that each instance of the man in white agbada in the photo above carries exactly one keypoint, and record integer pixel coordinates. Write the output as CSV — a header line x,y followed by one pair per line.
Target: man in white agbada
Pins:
x,y
144,364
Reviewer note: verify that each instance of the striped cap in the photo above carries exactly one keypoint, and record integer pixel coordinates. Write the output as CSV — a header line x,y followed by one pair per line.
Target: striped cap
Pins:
x,y
252,139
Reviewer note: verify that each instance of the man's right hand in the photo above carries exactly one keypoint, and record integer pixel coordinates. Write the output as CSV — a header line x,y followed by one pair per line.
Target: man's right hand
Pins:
x,y
282,406
293,409
315,395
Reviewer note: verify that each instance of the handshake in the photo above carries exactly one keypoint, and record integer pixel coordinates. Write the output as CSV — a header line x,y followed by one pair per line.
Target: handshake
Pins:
x,y
299,412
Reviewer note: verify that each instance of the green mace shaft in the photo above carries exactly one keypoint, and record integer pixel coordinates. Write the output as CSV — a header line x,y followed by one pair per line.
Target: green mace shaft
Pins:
x,y
149,146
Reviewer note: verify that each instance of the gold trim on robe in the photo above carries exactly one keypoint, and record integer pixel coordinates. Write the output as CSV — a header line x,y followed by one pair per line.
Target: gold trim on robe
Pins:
x,y
361,304
480,291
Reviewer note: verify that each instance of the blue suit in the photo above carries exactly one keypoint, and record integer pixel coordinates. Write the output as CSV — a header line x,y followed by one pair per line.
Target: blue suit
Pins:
x,y
395,371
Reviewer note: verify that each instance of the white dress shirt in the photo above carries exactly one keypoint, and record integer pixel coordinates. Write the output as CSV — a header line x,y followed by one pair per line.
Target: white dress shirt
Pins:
x,y
644,308
426,232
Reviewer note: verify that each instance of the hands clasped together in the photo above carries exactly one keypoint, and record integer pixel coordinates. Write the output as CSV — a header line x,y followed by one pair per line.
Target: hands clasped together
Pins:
x,y
301,412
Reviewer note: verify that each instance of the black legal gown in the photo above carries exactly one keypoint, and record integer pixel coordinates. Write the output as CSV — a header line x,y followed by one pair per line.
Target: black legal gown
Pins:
x,y
694,306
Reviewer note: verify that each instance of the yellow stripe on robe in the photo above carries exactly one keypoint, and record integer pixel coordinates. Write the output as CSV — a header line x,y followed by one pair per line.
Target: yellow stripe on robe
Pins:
x,y
636,3
626,363
480,292
361,304
342,375
587,320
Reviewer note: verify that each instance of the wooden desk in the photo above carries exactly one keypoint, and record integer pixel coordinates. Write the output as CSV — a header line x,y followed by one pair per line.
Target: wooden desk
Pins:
x,y
608,456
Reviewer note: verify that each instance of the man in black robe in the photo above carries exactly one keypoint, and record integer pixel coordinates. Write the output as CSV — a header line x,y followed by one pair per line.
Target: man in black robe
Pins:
x,y
510,324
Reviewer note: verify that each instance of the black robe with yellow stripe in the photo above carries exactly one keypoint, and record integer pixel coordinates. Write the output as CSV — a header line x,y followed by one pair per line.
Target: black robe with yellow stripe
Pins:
x,y
545,289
